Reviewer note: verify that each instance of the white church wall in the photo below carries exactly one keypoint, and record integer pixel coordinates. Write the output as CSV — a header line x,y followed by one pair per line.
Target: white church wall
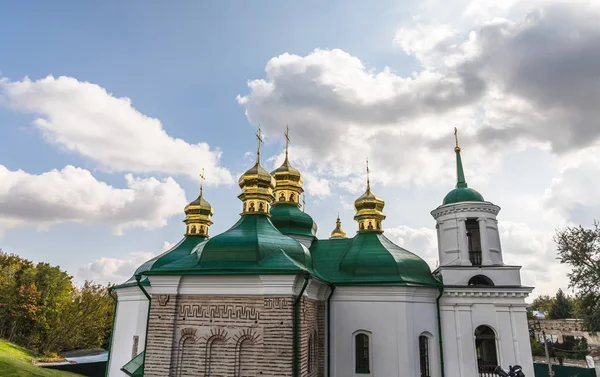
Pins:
x,y
463,310
130,321
394,317
500,275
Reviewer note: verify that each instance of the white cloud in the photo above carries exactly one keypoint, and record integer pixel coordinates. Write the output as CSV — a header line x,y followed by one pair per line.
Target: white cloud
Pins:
x,y
74,195
83,117
420,241
113,270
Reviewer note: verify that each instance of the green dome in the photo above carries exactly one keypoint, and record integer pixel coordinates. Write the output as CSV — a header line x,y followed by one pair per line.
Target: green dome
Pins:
x,y
289,220
252,245
462,194
370,259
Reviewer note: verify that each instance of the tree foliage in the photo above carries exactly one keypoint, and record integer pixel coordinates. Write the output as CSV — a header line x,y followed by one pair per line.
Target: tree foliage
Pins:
x,y
579,247
561,307
43,310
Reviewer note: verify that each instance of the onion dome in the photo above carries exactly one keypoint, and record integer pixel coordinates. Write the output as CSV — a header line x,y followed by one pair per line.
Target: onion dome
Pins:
x,y
253,245
257,188
198,215
285,213
338,232
462,193
369,210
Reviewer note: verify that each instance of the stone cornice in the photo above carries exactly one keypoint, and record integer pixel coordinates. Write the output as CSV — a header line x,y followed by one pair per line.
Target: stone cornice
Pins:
x,y
492,292
458,208
386,294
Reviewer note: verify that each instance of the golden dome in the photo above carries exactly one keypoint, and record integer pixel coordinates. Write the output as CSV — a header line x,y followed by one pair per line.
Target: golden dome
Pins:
x,y
198,215
257,187
338,232
288,180
369,210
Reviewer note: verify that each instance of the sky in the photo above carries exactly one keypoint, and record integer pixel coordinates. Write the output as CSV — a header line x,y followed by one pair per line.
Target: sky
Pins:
x,y
110,110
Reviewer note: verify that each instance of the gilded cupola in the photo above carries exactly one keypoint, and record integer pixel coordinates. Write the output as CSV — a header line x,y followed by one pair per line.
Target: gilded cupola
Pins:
x,y
338,232
285,213
369,210
288,180
257,187
198,215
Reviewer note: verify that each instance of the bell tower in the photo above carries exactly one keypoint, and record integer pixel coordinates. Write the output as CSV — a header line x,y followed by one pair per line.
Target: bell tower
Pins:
x,y
467,230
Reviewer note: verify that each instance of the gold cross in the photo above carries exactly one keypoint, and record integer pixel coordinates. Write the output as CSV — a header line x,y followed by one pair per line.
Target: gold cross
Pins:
x,y
287,140
368,181
202,178
259,137
456,136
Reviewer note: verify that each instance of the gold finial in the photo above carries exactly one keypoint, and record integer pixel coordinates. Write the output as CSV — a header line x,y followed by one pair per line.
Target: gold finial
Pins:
x,y
368,181
202,178
259,137
457,148
287,141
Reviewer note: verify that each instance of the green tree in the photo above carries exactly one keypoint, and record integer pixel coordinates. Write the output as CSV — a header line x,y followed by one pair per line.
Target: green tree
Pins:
x,y
542,303
579,247
562,307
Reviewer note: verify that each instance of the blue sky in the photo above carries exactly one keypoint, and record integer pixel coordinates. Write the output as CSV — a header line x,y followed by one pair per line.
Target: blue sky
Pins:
x,y
385,80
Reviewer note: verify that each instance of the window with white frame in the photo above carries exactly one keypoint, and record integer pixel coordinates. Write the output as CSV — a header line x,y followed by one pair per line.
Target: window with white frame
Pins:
x,y
362,352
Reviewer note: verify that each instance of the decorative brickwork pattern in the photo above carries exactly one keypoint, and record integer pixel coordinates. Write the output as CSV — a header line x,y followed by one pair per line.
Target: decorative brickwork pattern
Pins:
x,y
161,330
239,336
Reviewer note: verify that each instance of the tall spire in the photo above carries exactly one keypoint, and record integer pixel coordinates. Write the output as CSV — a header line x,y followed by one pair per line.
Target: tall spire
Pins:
x,y
259,138
460,174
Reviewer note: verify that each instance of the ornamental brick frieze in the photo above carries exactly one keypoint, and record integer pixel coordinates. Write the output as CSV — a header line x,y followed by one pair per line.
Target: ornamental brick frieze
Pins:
x,y
276,303
219,311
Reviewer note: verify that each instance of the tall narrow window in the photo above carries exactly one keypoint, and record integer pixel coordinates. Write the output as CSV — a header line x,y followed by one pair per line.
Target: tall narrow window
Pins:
x,y
424,355
362,362
474,241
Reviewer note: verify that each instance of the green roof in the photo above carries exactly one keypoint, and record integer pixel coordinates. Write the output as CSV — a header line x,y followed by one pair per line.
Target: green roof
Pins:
x,y
369,259
135,367
182,249
252,246
462,192
289,220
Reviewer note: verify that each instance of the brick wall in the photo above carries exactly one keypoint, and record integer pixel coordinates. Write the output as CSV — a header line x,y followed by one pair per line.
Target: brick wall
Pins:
x,y
231,336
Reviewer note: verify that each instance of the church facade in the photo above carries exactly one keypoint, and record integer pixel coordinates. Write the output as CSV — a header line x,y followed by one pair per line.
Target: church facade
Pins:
x,y
268,298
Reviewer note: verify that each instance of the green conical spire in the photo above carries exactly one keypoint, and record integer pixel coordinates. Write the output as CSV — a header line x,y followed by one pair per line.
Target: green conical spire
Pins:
x,y
462,193
460,174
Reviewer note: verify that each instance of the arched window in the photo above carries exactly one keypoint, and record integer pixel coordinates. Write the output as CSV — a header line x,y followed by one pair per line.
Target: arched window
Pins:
x,y
481,280
362,353
424,356
485,346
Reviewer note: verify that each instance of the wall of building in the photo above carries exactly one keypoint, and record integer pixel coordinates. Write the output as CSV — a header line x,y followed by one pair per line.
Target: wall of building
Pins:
x,y
504,311
394,317
130,321
193,332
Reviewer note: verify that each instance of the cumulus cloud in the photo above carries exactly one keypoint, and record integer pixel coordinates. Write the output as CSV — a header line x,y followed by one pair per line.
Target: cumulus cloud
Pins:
x,y
74,195
117,270
83,117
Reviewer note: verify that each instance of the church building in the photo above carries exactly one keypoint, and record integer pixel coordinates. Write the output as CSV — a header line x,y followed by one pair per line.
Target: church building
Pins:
x,y
269,298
